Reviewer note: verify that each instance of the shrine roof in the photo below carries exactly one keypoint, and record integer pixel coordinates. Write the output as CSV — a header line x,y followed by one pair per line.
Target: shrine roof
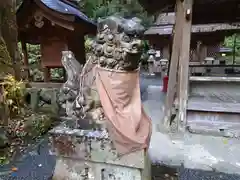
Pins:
x,y
62,18
165,22
163,30
59,6
204,11
66,8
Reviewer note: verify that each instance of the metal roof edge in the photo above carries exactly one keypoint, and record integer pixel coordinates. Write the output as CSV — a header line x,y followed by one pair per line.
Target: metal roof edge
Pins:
x,y
78,15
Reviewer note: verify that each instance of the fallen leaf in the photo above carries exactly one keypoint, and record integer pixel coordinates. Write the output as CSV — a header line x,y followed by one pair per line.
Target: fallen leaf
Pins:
x,y
14,169
225,141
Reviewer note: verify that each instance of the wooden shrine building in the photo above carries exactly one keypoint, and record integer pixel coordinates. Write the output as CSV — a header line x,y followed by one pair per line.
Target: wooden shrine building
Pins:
x,y
55,25
205,39
188,13
199,111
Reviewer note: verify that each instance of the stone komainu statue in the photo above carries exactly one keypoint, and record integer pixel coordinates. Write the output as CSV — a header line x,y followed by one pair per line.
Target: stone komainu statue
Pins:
x,y
118,47
105,93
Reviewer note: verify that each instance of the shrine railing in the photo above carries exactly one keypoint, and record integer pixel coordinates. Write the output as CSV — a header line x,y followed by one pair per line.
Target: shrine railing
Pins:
x,y
214,70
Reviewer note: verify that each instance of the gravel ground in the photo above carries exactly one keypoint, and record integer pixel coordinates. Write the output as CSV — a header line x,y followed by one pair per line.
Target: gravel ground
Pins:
x,y
37,164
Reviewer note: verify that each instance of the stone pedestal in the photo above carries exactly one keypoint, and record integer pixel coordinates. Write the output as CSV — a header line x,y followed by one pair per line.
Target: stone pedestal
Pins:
x,y
90,155
157,67
151,68
196,71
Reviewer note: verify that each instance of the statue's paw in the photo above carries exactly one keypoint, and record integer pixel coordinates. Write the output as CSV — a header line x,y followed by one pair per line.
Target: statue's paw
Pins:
x,y
76,106
80,100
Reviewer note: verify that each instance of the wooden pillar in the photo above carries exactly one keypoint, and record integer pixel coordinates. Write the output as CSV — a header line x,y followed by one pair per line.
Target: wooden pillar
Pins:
x,y
184,64
203,52
179,60
193,55
174,64
46,70
46,74
66,48
166,52
198,51
25,58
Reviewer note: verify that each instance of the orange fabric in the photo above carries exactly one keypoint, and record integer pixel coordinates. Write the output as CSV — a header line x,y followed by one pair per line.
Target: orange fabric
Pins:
x,y
129,126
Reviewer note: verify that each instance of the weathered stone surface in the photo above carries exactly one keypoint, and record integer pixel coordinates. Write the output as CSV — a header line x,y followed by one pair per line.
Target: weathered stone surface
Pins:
x,y
81,100
118,45
70,169
88,154
37,124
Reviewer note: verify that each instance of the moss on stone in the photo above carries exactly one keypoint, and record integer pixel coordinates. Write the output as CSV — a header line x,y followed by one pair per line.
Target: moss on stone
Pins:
x,y
37,124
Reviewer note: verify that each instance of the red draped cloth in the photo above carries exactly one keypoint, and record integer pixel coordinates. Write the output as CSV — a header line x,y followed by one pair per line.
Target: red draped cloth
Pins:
x,y
128,125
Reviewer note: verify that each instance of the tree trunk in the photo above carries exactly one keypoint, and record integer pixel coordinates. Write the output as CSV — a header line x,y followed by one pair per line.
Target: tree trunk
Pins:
x,y
5,59
9,33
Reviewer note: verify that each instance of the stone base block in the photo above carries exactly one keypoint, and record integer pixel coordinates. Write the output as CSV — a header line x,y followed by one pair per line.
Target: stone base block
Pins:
x,y
71,169
90,155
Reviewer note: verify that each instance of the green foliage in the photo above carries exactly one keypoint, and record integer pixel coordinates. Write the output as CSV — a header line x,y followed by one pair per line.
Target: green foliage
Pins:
x,y
57,73
34,61
12,97
229,42
88,43
127,8
4,160
96,9
34,54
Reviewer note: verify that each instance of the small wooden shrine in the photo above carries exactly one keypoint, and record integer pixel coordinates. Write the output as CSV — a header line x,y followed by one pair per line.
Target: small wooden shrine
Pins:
x,y
56,25
205,39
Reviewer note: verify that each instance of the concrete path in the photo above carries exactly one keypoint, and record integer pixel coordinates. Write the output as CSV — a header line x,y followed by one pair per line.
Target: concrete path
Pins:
x,y
205,153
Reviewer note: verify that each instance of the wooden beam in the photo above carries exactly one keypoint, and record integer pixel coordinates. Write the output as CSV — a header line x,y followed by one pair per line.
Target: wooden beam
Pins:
x,y
184,65
62,16
173,64
60,22
165,52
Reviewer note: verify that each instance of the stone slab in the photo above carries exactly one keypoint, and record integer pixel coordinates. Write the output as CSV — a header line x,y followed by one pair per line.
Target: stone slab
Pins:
x,y
90,145
70,169
90,154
